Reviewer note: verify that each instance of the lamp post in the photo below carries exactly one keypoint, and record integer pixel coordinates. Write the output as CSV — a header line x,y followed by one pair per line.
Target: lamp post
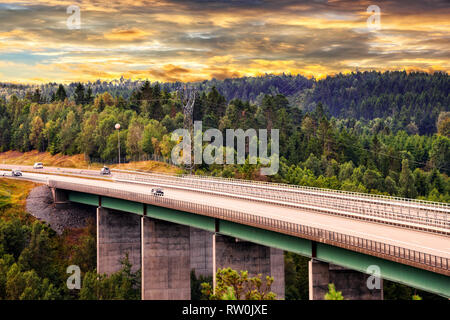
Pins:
x,y
118,138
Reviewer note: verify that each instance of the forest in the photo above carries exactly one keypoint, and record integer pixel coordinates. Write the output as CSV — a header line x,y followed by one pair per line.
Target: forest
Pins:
x,y
411,101
328,141
34,258
385,133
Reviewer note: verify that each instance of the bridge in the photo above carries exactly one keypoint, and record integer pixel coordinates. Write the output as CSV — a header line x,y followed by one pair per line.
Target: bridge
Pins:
x,y
205,223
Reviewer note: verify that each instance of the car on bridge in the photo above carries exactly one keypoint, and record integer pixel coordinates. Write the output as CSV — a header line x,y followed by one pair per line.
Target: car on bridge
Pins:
x,y
105,171
38,165
16,173
157,192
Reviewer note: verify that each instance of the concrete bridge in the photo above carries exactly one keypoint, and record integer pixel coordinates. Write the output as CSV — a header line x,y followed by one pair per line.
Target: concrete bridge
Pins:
x,y
207,223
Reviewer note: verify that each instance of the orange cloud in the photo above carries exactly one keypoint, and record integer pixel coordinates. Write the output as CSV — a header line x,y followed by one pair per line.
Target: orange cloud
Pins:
x,y
172,40
130,34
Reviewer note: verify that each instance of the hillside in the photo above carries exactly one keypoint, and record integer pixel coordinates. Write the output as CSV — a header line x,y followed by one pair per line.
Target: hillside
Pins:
x,y
414,98
79,161
399,153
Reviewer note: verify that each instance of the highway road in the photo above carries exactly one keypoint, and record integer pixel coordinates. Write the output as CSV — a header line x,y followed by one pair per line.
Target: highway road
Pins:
x,y
409,214
426,242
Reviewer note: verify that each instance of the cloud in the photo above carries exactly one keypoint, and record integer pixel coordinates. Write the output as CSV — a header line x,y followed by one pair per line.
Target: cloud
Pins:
x,y
187,40
127,34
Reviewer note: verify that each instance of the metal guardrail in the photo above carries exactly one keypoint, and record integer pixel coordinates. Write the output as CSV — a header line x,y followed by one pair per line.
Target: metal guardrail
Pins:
x,y
62,171
285,186
387,251
417,218
331,191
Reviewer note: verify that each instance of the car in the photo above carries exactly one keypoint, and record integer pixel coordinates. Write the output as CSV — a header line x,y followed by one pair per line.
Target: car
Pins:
x,y
16,173
105,171
157,192
38,165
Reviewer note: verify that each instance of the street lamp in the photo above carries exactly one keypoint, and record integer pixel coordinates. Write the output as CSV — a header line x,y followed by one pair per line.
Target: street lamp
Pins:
x,y
117,126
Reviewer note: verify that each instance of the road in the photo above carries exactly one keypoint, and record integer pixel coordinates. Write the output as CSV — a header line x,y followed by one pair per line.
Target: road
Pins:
x,y
409,214
425,242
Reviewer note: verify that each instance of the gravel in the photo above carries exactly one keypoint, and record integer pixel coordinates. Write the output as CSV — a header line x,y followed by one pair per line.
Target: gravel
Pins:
x,y
40,205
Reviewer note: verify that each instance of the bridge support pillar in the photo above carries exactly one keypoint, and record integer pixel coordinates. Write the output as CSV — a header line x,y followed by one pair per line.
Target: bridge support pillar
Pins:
x,y
117,234
201,252
242,255
353,284
60,198
165,260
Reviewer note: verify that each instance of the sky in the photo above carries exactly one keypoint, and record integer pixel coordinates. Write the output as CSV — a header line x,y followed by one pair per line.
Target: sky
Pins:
x,y
193,40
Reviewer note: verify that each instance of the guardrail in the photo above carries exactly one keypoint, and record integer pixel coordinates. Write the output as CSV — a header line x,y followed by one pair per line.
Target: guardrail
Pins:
x,y
333,191
65,171
387,251
271,185
297,187
417,218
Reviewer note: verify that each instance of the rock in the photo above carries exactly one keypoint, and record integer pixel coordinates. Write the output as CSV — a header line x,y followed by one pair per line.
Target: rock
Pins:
x,y
40,205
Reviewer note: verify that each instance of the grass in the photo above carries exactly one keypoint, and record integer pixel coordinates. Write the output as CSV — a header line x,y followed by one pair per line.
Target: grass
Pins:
x,y
13,196
79,162
148,166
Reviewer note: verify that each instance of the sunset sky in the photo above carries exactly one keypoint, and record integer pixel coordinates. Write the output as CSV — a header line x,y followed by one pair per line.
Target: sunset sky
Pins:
x,y
189,40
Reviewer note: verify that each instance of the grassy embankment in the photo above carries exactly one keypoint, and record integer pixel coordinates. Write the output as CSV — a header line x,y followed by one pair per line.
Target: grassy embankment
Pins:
x,y
13,195
79,162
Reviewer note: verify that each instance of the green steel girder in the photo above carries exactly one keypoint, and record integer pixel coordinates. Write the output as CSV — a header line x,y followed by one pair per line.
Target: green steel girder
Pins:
x,y
123,205
84,198
266,237
181,217
390,270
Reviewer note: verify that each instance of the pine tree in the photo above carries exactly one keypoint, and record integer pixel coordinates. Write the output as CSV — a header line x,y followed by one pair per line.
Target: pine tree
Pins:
x,y
61,94
89,98
79,94
406,181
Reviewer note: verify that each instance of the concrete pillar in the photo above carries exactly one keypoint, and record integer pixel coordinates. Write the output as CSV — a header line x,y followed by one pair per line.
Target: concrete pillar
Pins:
x,y
353,284
118,233
319,278
201,252
242,255
165,260
277,271
60,198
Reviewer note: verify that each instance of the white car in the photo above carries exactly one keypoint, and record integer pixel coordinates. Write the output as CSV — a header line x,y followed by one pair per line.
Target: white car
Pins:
x,y
105,171
38,165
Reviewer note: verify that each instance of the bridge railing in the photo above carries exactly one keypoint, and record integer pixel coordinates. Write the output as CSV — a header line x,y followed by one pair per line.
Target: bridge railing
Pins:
x,y
330,191
269,185
297,187
421,218
387,251
416,218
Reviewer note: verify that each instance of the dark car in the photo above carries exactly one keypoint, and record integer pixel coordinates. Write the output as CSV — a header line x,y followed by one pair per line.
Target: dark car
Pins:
x,y
105,171
157,192
16,173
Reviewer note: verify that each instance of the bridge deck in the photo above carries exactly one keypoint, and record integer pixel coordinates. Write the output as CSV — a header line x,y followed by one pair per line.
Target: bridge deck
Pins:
x,y
434,244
